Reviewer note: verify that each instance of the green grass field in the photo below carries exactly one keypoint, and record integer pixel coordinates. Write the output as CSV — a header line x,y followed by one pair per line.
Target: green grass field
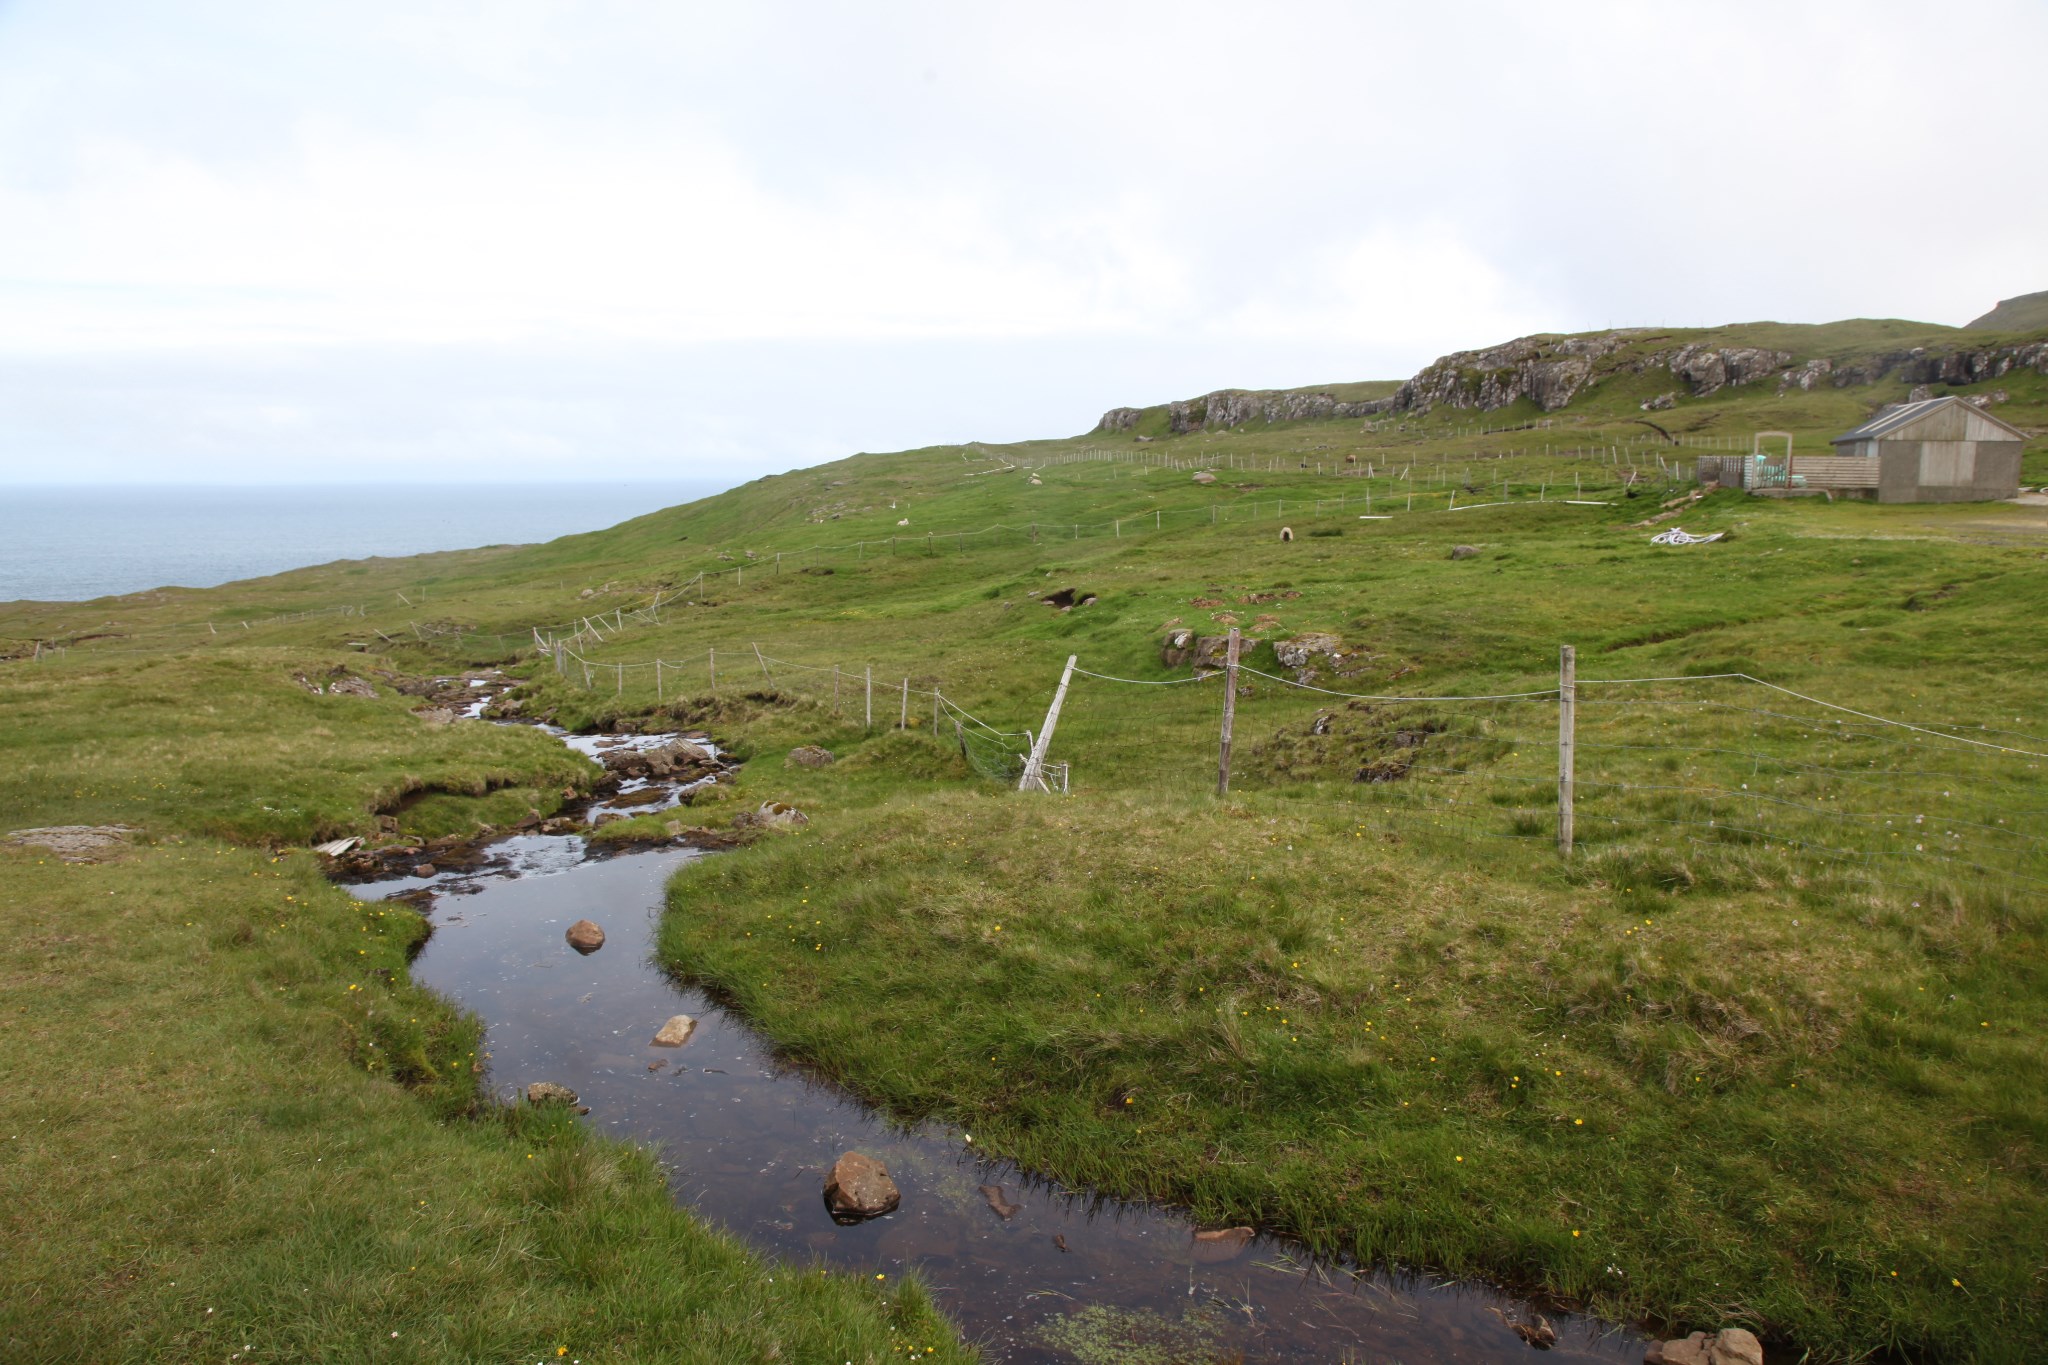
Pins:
x,y
1765,1049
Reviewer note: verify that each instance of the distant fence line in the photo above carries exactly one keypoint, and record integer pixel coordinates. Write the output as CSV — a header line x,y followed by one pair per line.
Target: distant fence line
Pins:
x,y
1637,757
989,749
1589,763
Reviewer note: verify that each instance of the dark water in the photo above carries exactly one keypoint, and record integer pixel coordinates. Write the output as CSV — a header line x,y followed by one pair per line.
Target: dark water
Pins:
x,y
747,1143
71,544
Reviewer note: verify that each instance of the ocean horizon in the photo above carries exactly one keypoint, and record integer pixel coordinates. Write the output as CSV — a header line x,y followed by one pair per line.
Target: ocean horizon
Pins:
x,y
74,543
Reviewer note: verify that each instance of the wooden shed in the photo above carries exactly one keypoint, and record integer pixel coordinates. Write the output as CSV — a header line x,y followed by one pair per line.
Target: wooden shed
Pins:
x,y
1935,450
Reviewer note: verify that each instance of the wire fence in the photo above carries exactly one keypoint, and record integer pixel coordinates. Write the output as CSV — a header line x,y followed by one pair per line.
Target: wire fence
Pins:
x,y
1727,762
856,694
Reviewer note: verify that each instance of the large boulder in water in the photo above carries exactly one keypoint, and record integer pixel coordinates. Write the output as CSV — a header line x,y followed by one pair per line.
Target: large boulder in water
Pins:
x,y
858,1187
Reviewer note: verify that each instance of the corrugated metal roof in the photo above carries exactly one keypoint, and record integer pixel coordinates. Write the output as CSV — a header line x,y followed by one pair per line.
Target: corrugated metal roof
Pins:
x,y
1890,419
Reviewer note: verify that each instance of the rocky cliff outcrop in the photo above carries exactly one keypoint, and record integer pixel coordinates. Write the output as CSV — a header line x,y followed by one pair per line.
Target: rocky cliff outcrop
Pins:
x,y
1552,371
1709,369
1949,365
1235,407
1549,371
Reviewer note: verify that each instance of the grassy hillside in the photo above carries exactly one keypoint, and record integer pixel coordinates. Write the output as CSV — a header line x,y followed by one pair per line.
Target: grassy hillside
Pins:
x,y
2025,313
1765,1048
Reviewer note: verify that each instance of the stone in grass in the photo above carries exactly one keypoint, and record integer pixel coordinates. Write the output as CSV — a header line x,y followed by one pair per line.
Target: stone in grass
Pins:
x,y
1464,552
585,937
1213,1245
858,1188
773,815
810,756
676,1031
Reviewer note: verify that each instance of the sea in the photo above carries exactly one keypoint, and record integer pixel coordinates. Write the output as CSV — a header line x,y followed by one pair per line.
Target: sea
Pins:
x,y
71,544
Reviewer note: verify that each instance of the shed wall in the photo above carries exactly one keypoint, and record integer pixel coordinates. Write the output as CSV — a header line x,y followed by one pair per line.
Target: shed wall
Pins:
x,y
1948,471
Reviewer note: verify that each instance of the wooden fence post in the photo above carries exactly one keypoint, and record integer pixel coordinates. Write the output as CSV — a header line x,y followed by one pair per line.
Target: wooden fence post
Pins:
x,y
1567,708
711,656
903,716
869,723
765,674
1034,766
1229,714
657,680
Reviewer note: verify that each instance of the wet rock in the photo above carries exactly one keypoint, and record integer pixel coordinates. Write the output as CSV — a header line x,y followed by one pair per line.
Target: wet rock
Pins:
x,y
1734,1346
585,937
678,758
858,1187
1464,552
424,869
809,756
1214,1245
1538,1332
1729,1346
676,1031
75,843
999,1202
547,1092
560,824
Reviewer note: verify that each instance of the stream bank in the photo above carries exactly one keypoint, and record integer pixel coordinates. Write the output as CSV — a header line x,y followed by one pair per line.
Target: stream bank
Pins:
x,y
1028,1270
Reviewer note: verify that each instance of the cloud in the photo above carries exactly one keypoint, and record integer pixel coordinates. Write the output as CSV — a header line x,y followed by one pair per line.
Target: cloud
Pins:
x,y
296,211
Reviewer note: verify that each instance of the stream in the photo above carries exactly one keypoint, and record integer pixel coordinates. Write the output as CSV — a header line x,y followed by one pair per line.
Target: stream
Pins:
x,y
746,1141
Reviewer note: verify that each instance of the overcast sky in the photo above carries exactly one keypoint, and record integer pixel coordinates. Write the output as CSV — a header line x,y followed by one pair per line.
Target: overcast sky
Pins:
x,y
301,241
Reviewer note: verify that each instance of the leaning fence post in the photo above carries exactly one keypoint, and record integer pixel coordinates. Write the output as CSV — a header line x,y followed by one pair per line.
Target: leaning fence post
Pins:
x,y
766,676
1229,713
1034,766
1567,707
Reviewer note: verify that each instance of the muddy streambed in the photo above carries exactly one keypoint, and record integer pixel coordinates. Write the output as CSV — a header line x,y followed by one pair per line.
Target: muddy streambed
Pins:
x,y
747,1140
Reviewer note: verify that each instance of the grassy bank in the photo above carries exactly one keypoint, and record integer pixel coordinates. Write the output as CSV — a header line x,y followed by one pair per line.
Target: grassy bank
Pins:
x,y
233,1130
1699,1089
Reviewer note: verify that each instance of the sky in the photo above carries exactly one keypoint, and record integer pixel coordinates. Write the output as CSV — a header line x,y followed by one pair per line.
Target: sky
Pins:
x,y
521,240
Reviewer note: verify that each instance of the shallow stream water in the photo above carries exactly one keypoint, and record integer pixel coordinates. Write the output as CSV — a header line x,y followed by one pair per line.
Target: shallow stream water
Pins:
x,y
747,1140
